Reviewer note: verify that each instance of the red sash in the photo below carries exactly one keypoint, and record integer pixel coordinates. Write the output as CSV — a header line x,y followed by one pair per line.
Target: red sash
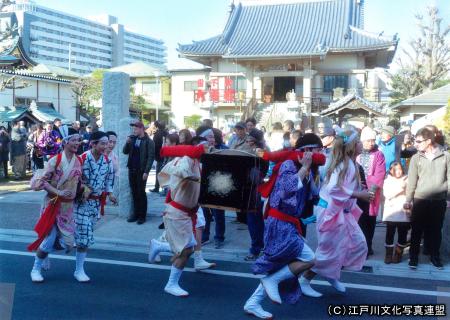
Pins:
x,y
46,221
192,212
274,213
102,199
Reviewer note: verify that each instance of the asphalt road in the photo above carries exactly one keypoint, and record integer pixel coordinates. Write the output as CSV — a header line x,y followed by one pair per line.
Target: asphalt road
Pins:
x,y
124,286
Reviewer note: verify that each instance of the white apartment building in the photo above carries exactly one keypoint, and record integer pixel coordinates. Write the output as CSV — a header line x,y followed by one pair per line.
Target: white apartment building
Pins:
x,y
81,45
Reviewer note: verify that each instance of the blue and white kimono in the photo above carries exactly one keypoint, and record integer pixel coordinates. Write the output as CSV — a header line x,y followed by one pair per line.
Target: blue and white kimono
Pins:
x,y
98,176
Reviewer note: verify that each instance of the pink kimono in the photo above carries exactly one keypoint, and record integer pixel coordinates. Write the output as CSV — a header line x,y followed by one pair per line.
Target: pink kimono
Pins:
x,y
375,174
341,242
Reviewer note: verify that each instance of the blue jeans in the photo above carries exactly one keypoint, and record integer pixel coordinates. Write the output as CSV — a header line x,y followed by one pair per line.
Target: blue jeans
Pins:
x,y
219,219
255,223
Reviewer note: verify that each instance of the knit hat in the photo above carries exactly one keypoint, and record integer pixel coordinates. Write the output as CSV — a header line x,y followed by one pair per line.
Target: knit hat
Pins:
x,y
389,130
368,133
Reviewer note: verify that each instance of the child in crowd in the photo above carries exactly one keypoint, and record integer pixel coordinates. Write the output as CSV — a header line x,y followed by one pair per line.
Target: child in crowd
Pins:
x,y
394,215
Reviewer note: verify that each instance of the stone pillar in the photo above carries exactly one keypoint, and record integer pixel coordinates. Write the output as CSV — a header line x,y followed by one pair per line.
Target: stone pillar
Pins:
x,y
116,117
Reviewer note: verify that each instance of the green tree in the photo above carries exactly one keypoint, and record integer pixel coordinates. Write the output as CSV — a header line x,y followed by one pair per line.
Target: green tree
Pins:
x,y
86,91
193,121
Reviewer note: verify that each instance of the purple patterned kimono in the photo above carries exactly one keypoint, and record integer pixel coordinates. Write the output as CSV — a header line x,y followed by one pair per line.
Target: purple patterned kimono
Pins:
x,y
282,242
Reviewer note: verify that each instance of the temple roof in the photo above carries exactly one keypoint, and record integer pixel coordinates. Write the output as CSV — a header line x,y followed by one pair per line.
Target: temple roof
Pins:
x,y
352,101
436,97
291,30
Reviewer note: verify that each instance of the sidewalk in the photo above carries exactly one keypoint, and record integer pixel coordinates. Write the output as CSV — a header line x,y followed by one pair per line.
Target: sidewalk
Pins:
x,y
19,212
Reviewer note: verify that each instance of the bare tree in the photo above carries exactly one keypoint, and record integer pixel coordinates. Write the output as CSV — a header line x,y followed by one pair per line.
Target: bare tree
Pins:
x,y
427,60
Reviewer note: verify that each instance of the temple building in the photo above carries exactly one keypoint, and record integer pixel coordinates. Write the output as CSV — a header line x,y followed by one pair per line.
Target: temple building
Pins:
x,y
286,60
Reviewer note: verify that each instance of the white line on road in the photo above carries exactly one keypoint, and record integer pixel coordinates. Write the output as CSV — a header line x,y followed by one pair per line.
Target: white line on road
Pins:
x,y
235,274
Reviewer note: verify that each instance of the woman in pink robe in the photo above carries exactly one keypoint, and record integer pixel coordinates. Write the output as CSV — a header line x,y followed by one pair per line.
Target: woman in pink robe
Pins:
x,y
341,242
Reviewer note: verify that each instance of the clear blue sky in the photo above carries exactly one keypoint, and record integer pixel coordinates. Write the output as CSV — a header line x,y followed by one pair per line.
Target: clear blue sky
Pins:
x,y
181,21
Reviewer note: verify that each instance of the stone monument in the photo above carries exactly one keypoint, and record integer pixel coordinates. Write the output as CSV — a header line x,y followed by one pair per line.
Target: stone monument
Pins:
x,y
116,117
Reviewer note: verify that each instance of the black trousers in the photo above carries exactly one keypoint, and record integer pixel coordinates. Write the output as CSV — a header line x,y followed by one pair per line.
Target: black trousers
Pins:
x,y
427,218
137,185
159,166
5,168
367,224
402,229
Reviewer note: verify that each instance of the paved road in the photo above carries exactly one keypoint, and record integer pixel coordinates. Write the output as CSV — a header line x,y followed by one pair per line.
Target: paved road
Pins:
x,y
124,286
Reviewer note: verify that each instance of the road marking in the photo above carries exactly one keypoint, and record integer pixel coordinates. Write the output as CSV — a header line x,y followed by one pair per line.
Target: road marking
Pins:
x,y
234,274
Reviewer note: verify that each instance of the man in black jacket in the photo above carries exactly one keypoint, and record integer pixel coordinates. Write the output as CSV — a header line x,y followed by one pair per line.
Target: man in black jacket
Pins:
x,y
141,153
159,139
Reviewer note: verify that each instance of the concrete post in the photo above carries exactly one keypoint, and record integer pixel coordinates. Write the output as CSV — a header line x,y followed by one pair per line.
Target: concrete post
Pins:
x,y
116,117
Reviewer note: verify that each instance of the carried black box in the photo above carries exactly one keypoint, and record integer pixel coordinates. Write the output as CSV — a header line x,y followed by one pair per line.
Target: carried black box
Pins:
x,y
230,179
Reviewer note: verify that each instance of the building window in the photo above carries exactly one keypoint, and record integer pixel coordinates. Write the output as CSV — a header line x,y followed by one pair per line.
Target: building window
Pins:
x,y
335,81
150,87
190,85
23,101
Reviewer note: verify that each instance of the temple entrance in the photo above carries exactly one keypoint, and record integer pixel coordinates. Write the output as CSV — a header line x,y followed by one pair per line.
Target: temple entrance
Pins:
x,y
283,85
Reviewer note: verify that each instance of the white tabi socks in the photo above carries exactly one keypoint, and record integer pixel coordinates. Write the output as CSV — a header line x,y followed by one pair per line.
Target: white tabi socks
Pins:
x,y
156,248
79,273
339,286
270,283
200,263
305,285
36,275
172,287
253,304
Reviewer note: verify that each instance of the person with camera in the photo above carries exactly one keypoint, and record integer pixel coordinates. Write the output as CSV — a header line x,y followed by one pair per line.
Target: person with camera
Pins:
x,y
141,154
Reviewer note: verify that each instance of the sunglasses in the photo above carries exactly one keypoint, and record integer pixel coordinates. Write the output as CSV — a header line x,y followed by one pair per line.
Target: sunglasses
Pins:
x,y
419,141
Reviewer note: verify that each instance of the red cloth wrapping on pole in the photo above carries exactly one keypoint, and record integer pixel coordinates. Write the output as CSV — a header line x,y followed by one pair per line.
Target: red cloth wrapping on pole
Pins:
x,y
46,221
194,152
287,218
265,189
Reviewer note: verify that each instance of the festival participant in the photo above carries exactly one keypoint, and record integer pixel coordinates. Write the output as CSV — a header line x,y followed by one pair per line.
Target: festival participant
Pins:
x,y
98,183
182,176
285,254
112,136
55,227
341,242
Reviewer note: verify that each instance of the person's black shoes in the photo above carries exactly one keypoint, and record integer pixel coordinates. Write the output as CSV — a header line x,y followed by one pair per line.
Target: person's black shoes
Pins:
x,y
413,262
161,226
155,190
132,219
436,262
140,221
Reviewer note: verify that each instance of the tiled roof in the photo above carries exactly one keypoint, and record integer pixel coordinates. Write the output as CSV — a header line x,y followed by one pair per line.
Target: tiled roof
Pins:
x,y
436,97
43,69
294,29
8,114
140,69
341,103
46,113
26,73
